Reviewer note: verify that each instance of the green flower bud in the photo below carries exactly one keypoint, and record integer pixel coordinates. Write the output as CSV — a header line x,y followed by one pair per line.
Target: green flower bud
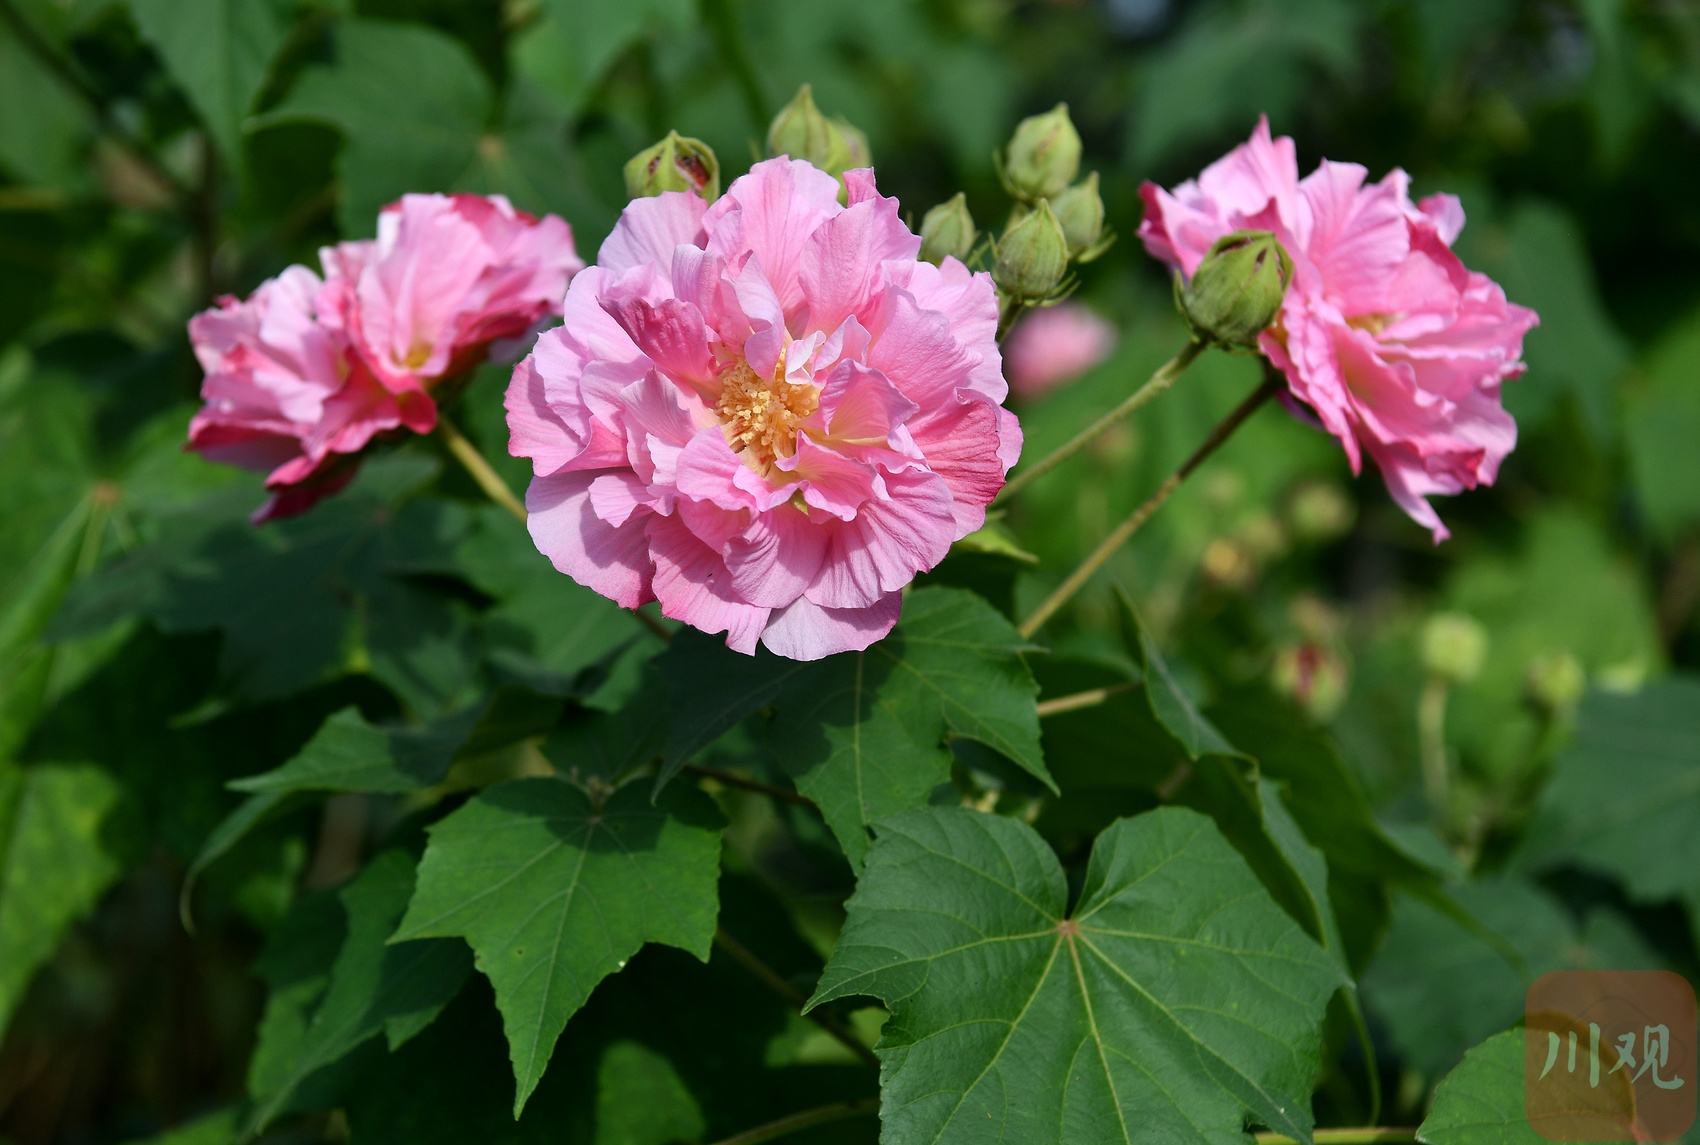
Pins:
x,y
1081,213
802,132
674,164
1554,681
1237,290
1454,646
1032,256
1043,156
851,150
948,230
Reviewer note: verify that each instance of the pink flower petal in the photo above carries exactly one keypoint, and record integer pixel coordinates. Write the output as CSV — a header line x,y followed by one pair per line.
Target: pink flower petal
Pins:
x,y
693,586
803,630
563,524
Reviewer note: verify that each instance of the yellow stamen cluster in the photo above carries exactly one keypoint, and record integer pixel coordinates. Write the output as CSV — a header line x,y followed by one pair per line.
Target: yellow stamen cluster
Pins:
x,y
760,417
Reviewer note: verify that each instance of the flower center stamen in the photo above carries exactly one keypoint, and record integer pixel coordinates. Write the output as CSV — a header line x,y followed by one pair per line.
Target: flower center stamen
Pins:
x,y
760,417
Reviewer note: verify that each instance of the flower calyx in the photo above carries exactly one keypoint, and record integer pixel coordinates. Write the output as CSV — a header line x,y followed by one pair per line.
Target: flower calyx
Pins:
x,y
1237,290
677,163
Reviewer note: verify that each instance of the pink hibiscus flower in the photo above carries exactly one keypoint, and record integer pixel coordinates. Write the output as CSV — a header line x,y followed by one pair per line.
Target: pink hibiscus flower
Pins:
x,y
765,414
305,372
1398,348
1056,344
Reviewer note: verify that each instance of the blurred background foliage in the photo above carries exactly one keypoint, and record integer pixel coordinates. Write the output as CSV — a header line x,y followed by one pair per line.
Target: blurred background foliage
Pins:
x,y
155,154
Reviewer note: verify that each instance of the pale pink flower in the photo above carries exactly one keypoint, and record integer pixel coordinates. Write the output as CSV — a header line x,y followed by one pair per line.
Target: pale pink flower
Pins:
x,y
1397,347
765,414
305,372
1053,345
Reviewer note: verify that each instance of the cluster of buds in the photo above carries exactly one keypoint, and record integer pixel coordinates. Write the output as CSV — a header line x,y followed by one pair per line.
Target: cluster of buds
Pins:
x,y
679,163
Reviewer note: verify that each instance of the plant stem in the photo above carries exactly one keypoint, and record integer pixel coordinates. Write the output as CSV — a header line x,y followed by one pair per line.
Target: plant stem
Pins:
x,y
1154,386
1431,741
784,989
820,1115
467,454
731,779
1224,430
1090,698
1367,1135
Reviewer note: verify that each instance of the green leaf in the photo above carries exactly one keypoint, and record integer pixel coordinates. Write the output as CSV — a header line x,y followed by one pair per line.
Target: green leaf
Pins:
x,y
219,52
641,1101
349,754
1442,988
1661,424
1231,63
218,1128
411,103
1171,705
1175,1003
1481,1102
53,868
1624,798
306,598
866,734
1539,258
555,892
373,987
44,127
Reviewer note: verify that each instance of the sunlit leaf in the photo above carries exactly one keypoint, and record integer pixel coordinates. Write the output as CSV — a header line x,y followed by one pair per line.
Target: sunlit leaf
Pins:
x,y
1174,1003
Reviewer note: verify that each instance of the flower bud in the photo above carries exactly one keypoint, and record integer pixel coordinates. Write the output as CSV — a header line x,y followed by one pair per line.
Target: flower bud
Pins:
x,y
852,149
1081,213
948,231
1032,256
674,164
1554,682
1043,156
1237,290
801,131
1454,646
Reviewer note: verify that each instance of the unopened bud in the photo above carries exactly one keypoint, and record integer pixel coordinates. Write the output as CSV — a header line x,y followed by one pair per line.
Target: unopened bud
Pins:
x,y
1081,212
674,164
1454,646
947,231
1314,676
1237,290
1554,681
1043,156
802,132
1032,256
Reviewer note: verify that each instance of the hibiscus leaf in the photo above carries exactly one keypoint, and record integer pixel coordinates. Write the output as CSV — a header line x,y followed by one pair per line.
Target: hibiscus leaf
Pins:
x,y
1624,799
350,754
52,865
1481,1102
554,892
373,987
866,734
219,51
1175,1003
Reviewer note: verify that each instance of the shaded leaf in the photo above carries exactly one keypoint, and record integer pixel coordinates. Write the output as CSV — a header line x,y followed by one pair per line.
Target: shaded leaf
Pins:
x,y
1481,1102
372,988
1661,424
53,868
1624,798
641,1101
1175,1003
219,52
350,754
555,892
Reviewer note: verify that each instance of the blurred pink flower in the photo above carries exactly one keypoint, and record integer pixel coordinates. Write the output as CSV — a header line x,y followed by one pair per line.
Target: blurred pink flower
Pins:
x,y
1398,348
765,413
302,374
1054,345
